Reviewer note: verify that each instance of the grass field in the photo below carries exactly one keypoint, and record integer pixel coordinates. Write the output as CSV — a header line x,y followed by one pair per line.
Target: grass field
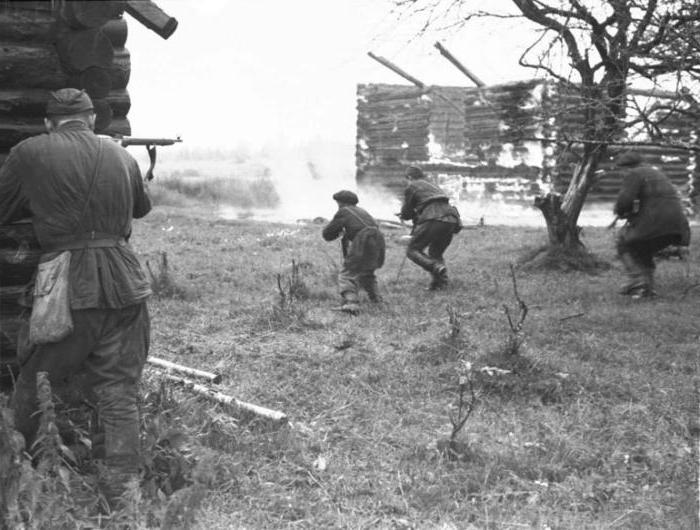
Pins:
x,y
595,427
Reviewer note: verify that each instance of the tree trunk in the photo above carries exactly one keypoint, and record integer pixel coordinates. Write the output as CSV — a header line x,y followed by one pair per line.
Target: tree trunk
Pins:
x,y
561,213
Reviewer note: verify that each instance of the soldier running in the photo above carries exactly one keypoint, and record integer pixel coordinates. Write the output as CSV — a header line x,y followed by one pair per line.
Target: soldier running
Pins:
x,y
655,219
435,221
363,250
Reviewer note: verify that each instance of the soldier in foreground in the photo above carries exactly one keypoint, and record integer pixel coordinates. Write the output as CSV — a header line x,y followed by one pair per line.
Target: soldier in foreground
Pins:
x,y
435,221
363,250
82,193
655,219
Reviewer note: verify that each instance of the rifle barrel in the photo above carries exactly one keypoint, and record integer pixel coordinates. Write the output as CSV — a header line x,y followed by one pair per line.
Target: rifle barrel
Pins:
x,y
148,141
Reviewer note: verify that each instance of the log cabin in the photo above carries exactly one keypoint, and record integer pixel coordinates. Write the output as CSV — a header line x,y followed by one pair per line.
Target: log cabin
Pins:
x,y
47,45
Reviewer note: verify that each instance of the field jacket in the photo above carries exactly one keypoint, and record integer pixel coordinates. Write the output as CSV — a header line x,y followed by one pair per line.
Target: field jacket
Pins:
x,y
424,201
651,205
363,243
49,177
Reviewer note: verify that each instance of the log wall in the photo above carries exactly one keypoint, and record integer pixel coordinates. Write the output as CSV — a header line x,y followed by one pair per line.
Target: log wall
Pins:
x,y
492,143
56,44
46,46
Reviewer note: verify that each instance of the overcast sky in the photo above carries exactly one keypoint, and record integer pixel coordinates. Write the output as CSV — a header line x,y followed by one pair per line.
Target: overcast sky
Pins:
x,y
262,72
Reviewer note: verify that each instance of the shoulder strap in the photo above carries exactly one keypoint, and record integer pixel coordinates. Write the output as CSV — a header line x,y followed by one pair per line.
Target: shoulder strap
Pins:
x,y
359,218
92,182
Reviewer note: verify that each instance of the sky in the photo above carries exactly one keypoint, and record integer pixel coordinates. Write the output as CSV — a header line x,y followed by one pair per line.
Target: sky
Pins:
x,y
281,76
279,72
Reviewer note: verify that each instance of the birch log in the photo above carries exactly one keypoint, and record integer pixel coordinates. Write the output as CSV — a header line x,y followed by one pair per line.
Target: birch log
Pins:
x,y
225,399
192,372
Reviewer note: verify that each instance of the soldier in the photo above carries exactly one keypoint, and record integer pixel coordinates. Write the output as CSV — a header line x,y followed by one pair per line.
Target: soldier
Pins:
x,y
435,221
363,250
82,192
655,219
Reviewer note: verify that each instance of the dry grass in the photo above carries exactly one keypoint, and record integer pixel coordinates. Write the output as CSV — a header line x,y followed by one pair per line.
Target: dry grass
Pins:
x,y
594,425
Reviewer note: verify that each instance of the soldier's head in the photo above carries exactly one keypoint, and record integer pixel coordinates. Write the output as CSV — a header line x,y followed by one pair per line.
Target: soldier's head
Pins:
x,y
628,159
414,173
69,104
345,198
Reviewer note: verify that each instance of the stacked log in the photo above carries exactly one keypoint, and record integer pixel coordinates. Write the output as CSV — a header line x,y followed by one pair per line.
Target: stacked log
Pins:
x,y
501,135
50,45
46,46
19,255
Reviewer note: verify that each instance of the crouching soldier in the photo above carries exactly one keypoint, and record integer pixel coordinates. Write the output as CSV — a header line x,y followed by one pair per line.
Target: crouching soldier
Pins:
x,y
363,250
655,220
435,221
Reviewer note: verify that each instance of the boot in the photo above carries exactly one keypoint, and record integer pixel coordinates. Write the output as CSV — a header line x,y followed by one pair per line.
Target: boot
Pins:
x,y
646,290
351,304
439,274
370,286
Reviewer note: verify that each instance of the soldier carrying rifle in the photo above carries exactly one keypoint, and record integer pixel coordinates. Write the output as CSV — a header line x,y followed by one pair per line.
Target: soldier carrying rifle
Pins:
x,y
89,314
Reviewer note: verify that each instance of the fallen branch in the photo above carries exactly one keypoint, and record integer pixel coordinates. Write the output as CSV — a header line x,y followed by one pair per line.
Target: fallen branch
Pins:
x,y
225,399
192,372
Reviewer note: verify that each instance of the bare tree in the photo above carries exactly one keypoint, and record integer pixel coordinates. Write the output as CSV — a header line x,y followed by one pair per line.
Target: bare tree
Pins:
x,y
610,45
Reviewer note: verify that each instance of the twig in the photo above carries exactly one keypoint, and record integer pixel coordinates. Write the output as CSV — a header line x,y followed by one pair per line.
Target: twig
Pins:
x,y
516,328
576,315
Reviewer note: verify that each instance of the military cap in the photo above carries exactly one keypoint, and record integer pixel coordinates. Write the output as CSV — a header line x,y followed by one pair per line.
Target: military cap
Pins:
x,y
628,159
414,172
67,101
346,197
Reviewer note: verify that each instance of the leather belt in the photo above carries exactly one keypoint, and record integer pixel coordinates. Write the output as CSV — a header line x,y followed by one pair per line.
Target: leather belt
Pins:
x,y
86,240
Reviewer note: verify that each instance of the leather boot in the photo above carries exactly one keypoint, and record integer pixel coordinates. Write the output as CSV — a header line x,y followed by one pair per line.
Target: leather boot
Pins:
x,y
351,303
370,286
439,274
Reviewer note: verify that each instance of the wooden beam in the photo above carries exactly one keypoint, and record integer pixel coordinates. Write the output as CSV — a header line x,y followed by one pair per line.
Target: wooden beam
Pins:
x,y
447,55
152,16
391,66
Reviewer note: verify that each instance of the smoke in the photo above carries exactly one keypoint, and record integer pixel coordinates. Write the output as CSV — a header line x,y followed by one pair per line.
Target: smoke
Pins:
x,y
306,176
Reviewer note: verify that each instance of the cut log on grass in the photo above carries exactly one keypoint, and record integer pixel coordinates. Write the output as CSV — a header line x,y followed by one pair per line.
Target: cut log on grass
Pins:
x,y
225,399
192,372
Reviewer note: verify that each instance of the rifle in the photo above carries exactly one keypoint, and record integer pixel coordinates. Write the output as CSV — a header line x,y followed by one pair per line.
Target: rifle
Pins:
x,y
150,144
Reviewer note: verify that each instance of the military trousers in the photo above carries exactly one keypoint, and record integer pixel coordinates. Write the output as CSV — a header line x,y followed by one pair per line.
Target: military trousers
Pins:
x,y
638,257
350,281
434,235
101,361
